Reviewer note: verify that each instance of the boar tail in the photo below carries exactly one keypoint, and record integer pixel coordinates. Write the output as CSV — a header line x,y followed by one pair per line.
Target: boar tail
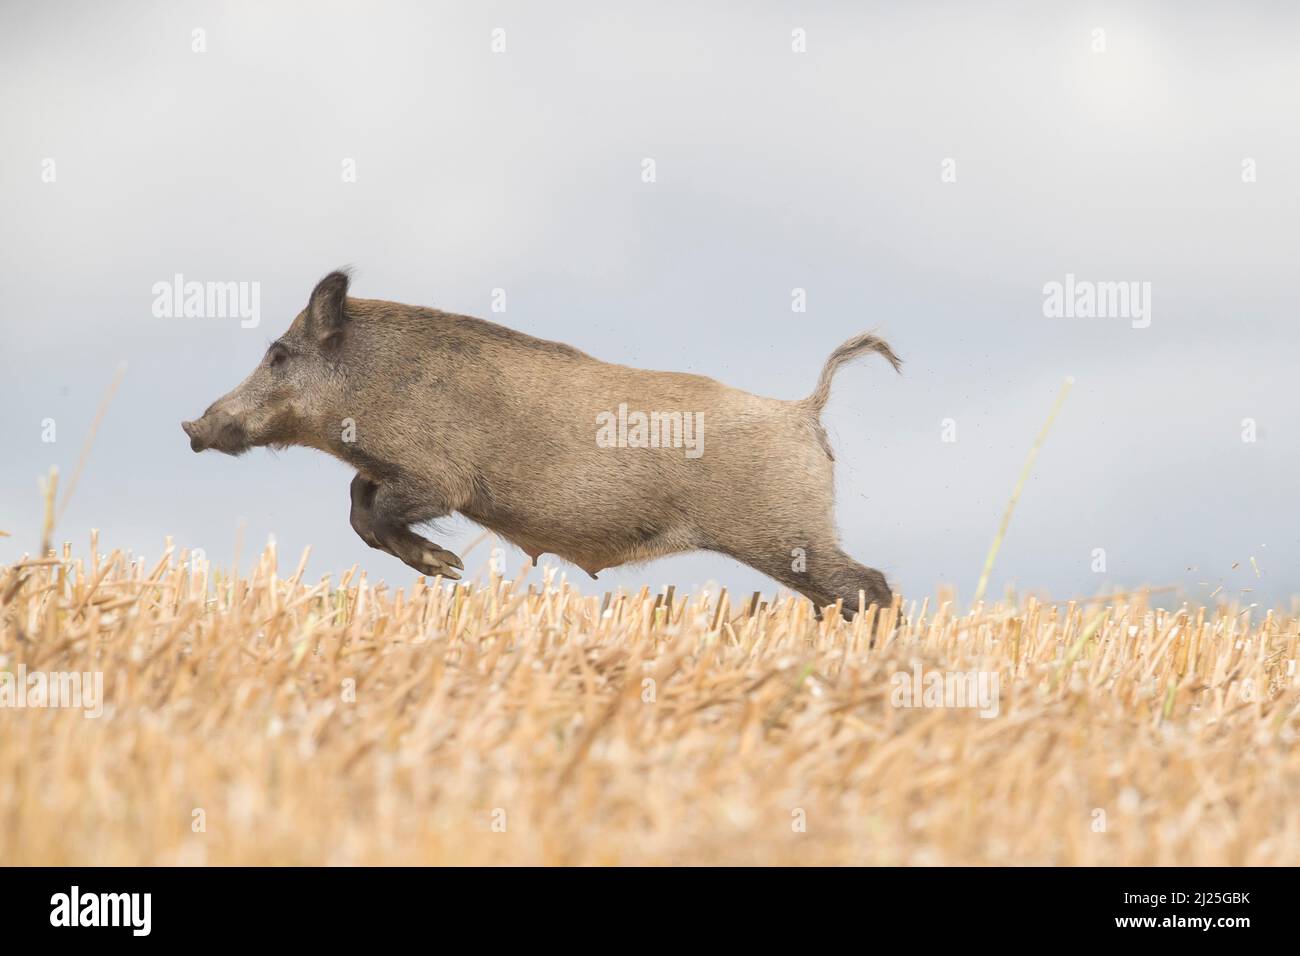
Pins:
x,y
866,342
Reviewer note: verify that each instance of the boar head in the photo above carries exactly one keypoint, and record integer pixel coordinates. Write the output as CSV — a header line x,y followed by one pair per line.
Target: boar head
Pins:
x,y
294,394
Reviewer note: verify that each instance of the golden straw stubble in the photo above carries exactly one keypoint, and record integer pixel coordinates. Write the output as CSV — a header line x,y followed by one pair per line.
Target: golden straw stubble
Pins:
x,y
252,719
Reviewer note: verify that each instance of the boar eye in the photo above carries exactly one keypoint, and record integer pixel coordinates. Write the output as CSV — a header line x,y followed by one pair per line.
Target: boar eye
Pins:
x,y
278,357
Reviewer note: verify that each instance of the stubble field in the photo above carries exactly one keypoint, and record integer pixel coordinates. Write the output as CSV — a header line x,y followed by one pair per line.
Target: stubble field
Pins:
x,y
264,719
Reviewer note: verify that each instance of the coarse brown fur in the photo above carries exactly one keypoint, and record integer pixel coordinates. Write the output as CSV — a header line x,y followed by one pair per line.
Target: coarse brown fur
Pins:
x,y
444,413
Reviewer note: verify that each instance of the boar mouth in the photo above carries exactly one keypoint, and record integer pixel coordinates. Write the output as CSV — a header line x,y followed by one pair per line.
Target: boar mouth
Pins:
x,y
230,438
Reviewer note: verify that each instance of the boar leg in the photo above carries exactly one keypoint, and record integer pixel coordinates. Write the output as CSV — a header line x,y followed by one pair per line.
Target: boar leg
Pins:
x,y
381,515
824,576
843,578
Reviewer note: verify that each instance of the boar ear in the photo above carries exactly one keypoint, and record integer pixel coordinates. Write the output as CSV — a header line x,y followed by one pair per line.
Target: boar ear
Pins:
x,y
325,311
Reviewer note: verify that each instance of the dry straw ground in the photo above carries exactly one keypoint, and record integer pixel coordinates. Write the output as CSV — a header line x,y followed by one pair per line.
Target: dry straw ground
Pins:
x,y
265,720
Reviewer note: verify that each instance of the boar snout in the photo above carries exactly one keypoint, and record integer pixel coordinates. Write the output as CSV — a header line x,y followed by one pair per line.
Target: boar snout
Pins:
x,y
218,431
192,429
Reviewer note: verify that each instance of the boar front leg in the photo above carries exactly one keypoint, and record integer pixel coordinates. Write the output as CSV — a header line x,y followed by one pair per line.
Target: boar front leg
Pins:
x,y
382,514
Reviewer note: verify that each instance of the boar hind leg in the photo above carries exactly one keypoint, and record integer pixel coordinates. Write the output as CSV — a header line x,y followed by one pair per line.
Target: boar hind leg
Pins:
x,y
845,578
382,515
824,576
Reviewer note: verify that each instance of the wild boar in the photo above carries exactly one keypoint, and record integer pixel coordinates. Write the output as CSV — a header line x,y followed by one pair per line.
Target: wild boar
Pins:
x,y
548,447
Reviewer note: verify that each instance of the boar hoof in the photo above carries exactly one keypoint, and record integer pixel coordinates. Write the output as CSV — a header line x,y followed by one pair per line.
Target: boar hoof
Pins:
x,y
435,561
442,562
425,556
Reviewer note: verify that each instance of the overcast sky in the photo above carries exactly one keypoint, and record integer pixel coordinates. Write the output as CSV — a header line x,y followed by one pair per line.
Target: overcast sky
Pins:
x,y
925,170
